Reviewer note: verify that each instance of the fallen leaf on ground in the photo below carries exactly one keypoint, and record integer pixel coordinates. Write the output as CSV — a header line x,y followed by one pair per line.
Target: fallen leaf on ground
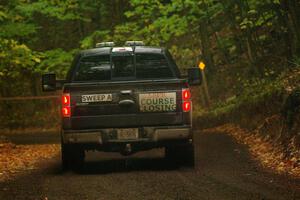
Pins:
x,y
271,155
19,158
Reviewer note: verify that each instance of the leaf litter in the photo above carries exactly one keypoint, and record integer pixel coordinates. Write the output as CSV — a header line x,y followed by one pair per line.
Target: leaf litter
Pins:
x,y
271,155
15,159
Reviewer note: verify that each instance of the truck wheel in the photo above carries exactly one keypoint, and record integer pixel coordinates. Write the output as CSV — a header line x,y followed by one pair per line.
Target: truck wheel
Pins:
x,y
181,155
189,155
72,157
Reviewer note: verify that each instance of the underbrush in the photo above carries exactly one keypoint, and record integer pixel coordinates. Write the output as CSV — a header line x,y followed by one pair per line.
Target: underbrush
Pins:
x,y
269,109
29,114
258,99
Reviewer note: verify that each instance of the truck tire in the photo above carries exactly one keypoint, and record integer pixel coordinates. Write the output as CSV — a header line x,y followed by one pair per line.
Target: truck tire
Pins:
x,y
72,157
183,155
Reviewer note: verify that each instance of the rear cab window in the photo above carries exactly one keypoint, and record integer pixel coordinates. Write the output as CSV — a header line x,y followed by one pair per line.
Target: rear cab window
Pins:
x,y
125,66
152,66
93,68
122,64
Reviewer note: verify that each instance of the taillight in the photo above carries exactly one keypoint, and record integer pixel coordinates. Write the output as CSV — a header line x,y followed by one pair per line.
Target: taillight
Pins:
x,y
186,100
186,94
66,105
66,99
186,106
66,111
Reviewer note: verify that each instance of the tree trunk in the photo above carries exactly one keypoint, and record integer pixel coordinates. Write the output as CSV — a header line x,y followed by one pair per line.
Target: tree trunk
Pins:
x,y
251,51
292,9
283,23
225,54
35,84
205,44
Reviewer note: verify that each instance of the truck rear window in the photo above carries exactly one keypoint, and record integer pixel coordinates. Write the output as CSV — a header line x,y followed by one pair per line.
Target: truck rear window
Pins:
x,y
127,67
93,68
152,66
122,66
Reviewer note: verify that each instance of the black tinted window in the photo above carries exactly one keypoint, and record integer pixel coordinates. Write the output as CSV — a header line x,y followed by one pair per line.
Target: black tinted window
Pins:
x,y
152,66
122,66
93,68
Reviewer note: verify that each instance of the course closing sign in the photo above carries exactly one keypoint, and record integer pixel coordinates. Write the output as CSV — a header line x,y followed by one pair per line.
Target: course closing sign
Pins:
x,y
157,102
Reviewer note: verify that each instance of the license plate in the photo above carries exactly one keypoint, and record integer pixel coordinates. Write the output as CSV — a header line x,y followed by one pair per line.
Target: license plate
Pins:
x,y
128,134
96,98
158,102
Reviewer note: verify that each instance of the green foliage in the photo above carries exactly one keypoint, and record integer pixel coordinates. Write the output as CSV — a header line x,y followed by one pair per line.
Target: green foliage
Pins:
x,y
62,10
185,57
58,61
254,92
13,25
16,58
128,31
296,62
261,37
17,30
95,37
175,24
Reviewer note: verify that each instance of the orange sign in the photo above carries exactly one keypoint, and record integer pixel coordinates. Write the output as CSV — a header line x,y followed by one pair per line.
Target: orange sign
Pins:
x,y
201,65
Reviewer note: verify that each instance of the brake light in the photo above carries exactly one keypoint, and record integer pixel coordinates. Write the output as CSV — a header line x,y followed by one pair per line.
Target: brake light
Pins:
x,y
66,105
66,111
186,100
186,94
66,99
186,106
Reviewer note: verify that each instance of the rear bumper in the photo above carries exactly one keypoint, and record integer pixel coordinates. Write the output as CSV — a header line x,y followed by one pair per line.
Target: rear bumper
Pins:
x,y
145,135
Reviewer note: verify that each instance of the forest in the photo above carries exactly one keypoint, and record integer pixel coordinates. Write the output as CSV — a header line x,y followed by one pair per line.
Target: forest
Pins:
x,y
246,44
250,114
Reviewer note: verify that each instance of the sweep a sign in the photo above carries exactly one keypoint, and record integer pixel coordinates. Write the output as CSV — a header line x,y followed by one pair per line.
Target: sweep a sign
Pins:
x,y
157,102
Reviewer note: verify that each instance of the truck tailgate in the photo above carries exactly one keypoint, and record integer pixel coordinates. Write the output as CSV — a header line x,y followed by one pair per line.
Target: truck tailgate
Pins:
x,y
125,104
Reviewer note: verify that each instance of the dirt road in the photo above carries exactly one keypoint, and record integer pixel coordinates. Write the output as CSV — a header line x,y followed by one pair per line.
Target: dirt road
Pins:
x,y
223,170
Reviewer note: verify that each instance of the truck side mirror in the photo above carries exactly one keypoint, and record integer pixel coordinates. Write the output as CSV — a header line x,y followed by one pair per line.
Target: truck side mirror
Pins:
x,y
194,76
48,82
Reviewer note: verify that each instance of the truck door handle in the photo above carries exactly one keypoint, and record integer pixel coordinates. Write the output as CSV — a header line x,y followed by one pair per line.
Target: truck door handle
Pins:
x,y
126,102
128,92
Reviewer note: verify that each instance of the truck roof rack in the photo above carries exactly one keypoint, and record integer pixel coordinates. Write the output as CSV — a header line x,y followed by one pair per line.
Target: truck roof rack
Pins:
x,y
105,44
134,43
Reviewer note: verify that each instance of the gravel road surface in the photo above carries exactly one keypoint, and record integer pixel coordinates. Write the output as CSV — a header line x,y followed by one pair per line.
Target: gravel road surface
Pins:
x,y
224,170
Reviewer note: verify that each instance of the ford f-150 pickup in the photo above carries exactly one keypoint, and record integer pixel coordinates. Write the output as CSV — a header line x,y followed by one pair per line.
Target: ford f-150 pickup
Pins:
x,y
125,99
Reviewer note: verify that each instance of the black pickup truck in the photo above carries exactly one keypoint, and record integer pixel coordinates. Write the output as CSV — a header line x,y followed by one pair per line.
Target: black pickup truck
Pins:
x,y
125,99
